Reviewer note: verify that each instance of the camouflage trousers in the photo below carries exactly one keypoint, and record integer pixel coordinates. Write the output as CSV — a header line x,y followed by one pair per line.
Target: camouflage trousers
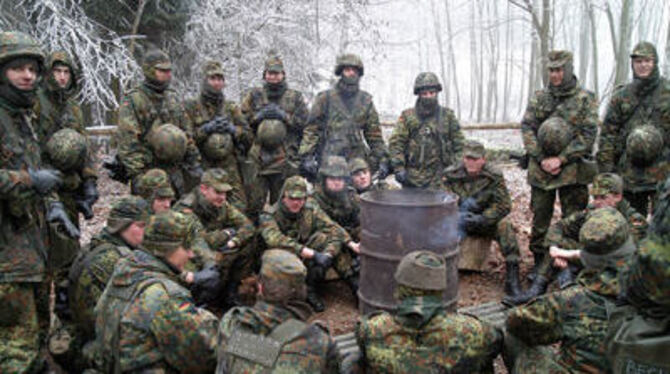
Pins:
x,y
503,233
238,265
343,263
640,201
258,191
573,198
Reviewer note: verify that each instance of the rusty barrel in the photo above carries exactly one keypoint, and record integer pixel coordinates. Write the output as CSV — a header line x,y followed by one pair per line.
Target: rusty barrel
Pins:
x,y
397,222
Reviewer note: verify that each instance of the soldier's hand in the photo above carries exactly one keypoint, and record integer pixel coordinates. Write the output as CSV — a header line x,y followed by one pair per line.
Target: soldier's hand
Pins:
x,y
384,170
88,198
213,126
230,128
85,208
309,167
56,214
401,176
306,252
207,286
273,111
230,232
356,247
45,180
323,260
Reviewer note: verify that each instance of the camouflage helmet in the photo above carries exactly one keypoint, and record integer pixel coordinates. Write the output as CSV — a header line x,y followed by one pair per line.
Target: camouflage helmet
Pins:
x,y
168,142
211,68
63,58
168,231
218,146
643,145
605,238
426,81
606,183
126,211
67,150
334,166
271,133
15,44
357,164
153,184
644,49
554,135
282,275
422,270
273,64
155,59
218,179
349,59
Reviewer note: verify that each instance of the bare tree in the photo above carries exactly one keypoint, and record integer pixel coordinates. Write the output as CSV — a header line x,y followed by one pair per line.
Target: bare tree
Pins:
x,y
452,56
594,45
541,20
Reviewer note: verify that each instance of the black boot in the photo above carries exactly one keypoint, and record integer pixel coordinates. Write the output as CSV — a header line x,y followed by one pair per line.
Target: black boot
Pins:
x,y
537,261
315,300
231,295
512,284
567,276
352,282
538,287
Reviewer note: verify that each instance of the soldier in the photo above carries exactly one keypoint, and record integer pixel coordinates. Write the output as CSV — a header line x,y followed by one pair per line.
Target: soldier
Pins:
x,y
26,191
558,130
344,122
154,187
154,130
635,140
297,224
221,131
577,317
485,204
226,231
91,271
361,177
267,336
420,336
427,138
145,319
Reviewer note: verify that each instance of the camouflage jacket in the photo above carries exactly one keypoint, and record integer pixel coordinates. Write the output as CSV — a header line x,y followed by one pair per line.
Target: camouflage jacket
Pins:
x,y
424,148
147,320
375,185
141,110
23,250
565,233
339,126
647,281
344,212
89,275
282,229
292,102
487,190
448,342
576,317
579,108
625,112
202,110
310,350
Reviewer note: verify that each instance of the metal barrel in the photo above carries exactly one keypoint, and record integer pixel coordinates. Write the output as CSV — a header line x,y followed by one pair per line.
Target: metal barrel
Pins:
x,y
397,222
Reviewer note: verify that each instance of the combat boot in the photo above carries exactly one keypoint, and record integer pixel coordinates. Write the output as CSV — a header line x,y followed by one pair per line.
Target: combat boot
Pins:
x,y
512,284
352,282
538,288
315,300
231,295
537,261
567,276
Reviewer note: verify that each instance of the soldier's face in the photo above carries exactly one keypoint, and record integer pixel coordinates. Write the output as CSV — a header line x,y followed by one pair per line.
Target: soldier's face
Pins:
x,y
61,75
274,77
216,198
556,76
361,179
294,205
22,76
349,71
134,234
161,204
216,82
180,257
428,94
643,66
163,75
607,200
474,165
335,184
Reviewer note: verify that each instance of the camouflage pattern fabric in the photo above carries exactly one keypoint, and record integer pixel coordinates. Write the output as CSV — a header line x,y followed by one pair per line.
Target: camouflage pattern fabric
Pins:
x,y
19,330
153,184
489,192
424,147
343,208
606,183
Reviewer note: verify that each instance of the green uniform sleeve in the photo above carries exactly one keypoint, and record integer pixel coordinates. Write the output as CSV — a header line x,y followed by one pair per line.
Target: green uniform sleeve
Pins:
x,y
586,129
243,225
77,122
529,126
565,233
274,237
14,182
457,138
243,136
501,204
247,109
132,153
398,143
336,235
315,123
611,144
539,322
373,134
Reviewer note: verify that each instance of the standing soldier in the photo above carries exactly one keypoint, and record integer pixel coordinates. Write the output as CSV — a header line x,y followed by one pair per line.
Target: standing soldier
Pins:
x,y
427,138
635,137
344,122
361,177
558,130
277,114
25,191
485,204
221,131
154,130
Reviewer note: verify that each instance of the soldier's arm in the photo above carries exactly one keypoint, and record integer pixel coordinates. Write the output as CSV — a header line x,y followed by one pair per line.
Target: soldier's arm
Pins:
x,y
298,119
529,126
398,143
315,122
243,134
538,322
192,157
610,145
457,138
275,238
565,233
132,153
373,134
586,131
501,203
243,225
202,245
247,109
14,182
337,236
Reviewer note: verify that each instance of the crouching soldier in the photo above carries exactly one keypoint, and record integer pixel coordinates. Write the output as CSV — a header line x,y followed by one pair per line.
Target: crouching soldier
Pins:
x,y
154,187
362,179
273,335
297,224
485,203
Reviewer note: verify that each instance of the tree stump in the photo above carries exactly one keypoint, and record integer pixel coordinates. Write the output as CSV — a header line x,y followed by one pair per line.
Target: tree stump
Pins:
x,y
474,251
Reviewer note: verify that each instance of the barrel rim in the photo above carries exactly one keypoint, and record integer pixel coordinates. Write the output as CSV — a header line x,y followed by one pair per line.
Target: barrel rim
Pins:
x,y
449,197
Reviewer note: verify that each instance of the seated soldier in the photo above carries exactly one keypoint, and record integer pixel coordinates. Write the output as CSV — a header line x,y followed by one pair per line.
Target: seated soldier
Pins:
x,y
154,187
274,335
223,231
420,336
146,320
297,224
340,203
576,317
361,177
484,203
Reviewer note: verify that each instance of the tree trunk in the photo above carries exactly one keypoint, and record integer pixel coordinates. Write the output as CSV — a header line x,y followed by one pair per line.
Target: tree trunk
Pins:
x,y
440,48
666,70
594,47
452,56
508,59
584,42
622,61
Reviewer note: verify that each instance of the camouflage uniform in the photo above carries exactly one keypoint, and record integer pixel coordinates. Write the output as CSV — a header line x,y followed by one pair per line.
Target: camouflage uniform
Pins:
x,y
421,336
145,108
578,316
486,195
578,108
643,102
377,184
153,184
343,120
146,319
212,105
273,335
426,139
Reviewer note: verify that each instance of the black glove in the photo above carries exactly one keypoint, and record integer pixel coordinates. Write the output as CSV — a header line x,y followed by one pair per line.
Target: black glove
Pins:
x,y
323,260
273,111
230,128
216,125
89,195
309,167
469,205
45,180
56,214
195,172
207,285
401,176
384,170
472,222
116,170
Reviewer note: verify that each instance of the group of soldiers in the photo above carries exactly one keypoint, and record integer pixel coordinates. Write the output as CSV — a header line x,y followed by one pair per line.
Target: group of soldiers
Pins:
x,y
221,193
